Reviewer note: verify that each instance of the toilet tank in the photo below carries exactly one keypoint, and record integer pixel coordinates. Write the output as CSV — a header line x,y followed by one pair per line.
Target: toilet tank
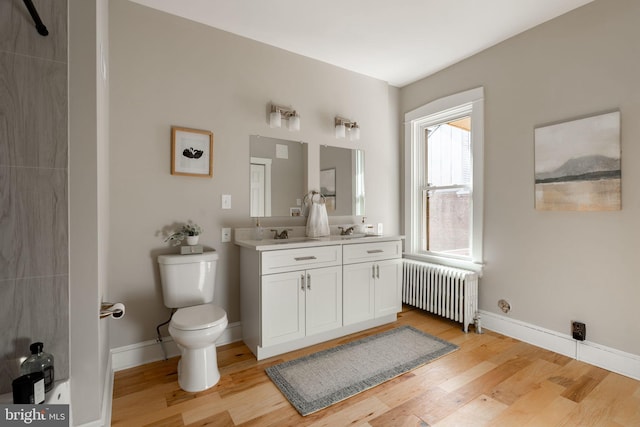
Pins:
x,y
188,279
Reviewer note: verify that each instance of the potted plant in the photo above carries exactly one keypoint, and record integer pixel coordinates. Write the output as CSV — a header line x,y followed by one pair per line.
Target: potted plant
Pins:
x,y
190,231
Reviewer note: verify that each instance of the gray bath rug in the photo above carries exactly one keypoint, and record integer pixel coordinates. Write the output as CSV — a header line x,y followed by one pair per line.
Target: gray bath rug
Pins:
x,y
321,379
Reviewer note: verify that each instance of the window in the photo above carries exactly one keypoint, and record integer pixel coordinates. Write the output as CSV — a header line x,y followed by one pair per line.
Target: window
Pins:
x,y
446,197
444,170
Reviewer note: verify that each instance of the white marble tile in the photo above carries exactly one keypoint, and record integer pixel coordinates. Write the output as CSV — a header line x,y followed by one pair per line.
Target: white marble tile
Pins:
x,y
33,108
33,222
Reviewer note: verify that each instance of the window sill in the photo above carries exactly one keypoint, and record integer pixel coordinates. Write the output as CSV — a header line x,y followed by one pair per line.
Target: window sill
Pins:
x,y
449,262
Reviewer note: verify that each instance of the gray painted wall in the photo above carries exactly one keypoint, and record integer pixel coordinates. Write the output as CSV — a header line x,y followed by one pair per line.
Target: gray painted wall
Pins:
x,y
34,280
169,71
554,267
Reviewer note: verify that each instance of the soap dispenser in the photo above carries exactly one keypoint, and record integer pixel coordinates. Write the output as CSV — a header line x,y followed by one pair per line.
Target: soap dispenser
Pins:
x,y
39,361
257,232
362,227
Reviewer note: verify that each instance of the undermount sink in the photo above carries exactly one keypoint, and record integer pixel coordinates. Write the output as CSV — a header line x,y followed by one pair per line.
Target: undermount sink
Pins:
x,y
304,239
291,240
354,236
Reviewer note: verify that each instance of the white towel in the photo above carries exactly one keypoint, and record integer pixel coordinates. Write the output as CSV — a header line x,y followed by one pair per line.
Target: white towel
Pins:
x,y
318,220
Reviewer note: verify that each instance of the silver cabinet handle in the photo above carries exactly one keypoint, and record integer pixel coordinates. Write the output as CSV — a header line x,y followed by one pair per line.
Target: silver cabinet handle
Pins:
x,y
302,282
377,271
304,258
375,251
373,271
308,281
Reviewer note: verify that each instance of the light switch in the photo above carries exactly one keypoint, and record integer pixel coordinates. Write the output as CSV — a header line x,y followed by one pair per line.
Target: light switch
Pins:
x,y
226,201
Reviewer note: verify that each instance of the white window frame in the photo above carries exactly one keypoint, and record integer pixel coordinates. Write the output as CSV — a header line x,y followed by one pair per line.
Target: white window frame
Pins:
x,y
471,103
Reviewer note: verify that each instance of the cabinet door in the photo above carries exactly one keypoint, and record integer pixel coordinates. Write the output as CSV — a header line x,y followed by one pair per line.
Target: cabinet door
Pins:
x,y
283,307
388,293
324,299
358,292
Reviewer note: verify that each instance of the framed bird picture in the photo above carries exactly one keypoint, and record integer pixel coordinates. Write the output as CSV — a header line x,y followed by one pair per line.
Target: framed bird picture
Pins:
x,y
191,152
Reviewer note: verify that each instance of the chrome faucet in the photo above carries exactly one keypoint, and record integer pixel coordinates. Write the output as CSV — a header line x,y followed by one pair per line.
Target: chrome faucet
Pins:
x,y
284,234
346,231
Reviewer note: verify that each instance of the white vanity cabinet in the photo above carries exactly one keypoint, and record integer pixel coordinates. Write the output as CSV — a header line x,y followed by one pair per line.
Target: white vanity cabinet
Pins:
x,y
372,274
302,292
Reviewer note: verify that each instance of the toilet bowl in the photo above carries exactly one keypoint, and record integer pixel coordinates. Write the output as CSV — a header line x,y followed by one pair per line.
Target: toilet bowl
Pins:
x,y
188,284
195,330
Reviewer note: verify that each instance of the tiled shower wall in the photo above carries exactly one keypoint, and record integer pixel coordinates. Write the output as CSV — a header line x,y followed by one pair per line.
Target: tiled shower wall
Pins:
x,y
34,260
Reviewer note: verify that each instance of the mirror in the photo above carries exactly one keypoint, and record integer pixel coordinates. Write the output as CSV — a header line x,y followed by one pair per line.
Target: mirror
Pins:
x,y
342,180
278,176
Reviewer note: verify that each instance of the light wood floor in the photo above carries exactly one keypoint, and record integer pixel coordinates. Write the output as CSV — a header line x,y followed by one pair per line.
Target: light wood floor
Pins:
x,y
491,380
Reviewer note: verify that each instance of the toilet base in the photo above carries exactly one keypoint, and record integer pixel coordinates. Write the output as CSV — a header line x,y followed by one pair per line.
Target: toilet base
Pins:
x,y
198,369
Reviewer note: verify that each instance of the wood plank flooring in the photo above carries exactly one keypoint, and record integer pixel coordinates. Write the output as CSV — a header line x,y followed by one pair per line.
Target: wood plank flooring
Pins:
x,y
491,380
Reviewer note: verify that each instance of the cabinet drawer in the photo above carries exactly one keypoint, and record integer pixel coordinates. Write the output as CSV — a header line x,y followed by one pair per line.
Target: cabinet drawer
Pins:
x,y
363,252
300,259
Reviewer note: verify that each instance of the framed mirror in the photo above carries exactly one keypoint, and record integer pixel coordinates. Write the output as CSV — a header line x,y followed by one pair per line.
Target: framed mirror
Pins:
x,y
278,176
342,180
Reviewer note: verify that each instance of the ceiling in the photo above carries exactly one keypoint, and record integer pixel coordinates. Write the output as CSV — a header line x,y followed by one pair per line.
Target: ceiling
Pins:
x,y
395,41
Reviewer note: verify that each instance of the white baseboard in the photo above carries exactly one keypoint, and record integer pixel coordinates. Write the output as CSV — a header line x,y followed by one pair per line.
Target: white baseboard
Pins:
x,y
532,334
151,351
623,363
614,360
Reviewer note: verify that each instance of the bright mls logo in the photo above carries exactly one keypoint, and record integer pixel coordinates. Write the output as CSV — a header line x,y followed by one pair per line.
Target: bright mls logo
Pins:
x,y
35,415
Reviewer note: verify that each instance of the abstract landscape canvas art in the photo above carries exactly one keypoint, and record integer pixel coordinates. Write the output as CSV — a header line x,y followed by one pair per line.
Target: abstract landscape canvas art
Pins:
x,y
577,165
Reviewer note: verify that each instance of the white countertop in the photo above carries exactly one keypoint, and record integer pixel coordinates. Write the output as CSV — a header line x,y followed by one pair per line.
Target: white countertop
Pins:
x,y
304,242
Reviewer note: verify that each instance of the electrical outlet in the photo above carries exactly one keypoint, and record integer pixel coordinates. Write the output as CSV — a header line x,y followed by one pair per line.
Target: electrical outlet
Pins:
x,y
579,331
226,235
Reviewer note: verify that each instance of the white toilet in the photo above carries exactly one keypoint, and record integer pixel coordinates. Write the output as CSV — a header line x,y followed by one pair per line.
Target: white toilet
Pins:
x,y
188,283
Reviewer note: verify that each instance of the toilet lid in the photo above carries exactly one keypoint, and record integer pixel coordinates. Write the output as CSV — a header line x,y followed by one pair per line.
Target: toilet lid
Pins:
x,y
198,317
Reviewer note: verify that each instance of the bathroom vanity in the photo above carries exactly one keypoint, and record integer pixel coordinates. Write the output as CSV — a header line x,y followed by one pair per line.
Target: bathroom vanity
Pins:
x,y
302,291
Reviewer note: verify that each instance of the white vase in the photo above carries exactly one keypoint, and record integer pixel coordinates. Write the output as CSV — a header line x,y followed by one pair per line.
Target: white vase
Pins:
x,y
192,240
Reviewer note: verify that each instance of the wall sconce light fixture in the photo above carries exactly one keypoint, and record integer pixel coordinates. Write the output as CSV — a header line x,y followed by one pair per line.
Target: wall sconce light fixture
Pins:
x,y
278,113
342,125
